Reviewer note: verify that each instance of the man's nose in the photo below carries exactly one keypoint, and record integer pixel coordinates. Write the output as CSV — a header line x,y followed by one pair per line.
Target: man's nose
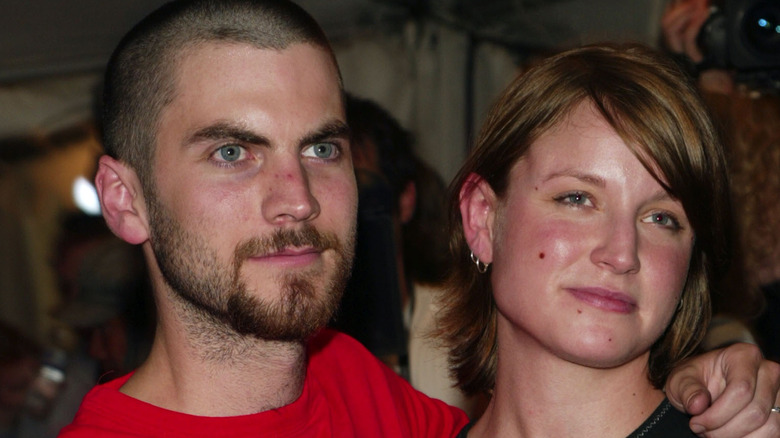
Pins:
x,y
289,199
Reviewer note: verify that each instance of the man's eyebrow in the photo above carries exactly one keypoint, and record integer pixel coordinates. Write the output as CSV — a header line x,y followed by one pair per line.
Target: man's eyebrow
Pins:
x,y
227,131
332,129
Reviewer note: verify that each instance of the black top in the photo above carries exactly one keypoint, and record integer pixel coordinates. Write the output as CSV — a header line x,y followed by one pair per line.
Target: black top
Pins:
x,y
464,433
664,422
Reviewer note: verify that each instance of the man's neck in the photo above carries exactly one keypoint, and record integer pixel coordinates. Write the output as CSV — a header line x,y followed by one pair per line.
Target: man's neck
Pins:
x,y
202,368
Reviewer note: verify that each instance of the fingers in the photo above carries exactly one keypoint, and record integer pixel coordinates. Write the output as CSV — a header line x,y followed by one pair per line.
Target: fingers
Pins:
x,y
743,407
680,25
685,388
770,428
698,401
757,419
691,32
674,23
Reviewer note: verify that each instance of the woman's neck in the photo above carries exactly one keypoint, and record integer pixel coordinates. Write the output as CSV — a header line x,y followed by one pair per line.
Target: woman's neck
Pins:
x,y
539,394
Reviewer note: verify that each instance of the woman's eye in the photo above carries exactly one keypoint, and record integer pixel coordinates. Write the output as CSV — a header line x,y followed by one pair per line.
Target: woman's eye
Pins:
x,y
574,198
321,150
663,219
229,153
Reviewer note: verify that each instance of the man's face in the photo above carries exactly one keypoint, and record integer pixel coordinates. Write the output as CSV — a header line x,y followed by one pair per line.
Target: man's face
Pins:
x,y
253,213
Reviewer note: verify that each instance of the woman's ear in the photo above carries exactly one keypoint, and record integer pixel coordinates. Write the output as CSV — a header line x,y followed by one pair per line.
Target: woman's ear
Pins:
x,y
478,210
122,200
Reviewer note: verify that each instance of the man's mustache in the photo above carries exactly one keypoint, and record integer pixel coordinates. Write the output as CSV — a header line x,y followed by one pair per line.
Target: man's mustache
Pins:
x,y
306,236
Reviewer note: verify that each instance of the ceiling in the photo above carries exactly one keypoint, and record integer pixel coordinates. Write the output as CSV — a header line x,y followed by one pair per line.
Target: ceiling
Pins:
x,y
49,37
52,51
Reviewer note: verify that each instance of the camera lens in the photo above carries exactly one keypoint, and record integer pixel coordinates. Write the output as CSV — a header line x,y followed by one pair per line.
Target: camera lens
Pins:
x,y
761,27
712,39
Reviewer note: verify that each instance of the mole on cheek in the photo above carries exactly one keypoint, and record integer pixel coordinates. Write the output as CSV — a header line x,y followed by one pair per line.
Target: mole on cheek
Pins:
x,y
541,255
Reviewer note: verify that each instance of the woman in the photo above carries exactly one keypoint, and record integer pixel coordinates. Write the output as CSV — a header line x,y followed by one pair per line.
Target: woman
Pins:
x,y
589,222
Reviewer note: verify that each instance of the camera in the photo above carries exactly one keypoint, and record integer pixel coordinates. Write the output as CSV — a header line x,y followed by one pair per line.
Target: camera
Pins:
x,y
744,36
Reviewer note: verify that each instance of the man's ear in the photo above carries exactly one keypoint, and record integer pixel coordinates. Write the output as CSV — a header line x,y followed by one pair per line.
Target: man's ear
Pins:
x,y
478,204
122,200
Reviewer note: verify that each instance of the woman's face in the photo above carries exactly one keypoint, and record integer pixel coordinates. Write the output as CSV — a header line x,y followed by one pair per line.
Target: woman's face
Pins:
x,y
590,254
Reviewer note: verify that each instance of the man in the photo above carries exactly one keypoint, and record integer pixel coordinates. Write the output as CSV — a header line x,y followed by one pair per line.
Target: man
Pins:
x,y
232,167
229,162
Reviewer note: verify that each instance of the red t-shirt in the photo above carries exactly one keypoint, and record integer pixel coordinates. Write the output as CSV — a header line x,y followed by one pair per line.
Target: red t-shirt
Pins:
x,y
347,393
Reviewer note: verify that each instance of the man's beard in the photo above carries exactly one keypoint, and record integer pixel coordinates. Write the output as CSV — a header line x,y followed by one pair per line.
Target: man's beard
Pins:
x,y
217,292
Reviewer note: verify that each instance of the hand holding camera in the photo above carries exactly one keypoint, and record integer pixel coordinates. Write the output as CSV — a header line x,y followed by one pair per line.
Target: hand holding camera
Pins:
x,y
739,36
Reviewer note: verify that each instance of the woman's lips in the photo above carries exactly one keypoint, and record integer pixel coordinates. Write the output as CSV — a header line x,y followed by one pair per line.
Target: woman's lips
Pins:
x,y
605,299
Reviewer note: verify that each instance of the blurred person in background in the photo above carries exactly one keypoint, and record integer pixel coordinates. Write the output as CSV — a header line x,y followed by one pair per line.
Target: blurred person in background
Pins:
x,y
19,365
372,308
104,324
414,196
112,309
750,121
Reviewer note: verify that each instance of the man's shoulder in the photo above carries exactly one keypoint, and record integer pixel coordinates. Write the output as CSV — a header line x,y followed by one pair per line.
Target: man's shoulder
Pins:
x,y
348,392
77,431
336,351
328,340
340,368
91,416
336,359
358,385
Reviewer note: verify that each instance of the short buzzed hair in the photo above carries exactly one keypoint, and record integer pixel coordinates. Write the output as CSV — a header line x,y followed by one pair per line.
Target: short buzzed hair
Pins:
x,y
140,76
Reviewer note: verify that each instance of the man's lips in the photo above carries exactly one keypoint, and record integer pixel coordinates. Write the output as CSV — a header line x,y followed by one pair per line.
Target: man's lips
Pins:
x,y
605,299
289,256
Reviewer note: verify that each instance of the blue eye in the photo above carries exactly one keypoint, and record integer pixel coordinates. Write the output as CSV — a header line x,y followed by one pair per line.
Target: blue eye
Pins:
x,y
574,198
663,219
321,150
230,152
